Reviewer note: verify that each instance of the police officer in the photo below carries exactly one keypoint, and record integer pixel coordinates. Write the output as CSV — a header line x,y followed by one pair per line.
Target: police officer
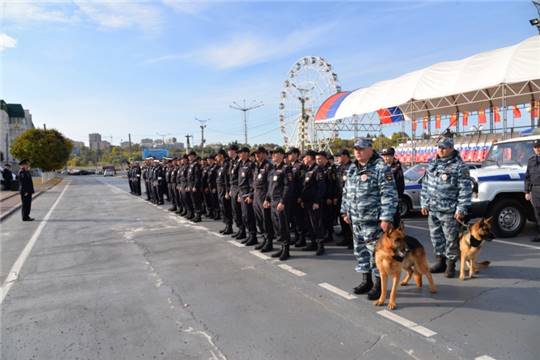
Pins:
x,y
532,184
185,189
194,179
233,192
369,204
26,189
222,183
263,214
175,190
137,179
295,213
312,195
170,181
278,197
445,198
388,155
246,169
146,178
342,170
130,178
329,201
157,182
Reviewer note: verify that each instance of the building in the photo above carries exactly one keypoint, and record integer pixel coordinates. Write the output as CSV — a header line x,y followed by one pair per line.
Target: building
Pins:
x,y
147,143
104,145
14,120
94,141
125,144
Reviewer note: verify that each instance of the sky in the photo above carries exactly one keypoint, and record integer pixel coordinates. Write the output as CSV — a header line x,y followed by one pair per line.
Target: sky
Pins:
x,y
152,67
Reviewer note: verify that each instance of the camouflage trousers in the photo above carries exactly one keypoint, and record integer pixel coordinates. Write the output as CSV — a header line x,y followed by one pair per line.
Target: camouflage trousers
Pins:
x,y
365,236
444,232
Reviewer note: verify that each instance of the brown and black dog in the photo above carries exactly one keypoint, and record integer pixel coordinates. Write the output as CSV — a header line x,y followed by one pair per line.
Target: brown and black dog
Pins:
x,y
470,243
396,251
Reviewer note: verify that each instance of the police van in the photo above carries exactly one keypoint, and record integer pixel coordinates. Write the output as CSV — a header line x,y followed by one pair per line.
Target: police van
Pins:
x,y
498,186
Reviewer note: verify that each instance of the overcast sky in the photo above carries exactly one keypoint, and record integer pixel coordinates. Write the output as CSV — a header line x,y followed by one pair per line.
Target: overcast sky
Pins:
x,y
148,67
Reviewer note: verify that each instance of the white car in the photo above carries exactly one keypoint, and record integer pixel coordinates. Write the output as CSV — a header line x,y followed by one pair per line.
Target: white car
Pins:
x,y
108,172
498,188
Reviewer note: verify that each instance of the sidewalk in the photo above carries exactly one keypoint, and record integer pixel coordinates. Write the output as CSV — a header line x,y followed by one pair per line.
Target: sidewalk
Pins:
x,y
10,201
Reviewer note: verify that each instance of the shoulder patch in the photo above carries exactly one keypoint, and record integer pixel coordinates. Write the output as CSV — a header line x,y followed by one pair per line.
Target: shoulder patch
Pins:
x,y
388,176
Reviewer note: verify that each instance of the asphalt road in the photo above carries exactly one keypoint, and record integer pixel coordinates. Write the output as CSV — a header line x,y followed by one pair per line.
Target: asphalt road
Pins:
x,y
106,275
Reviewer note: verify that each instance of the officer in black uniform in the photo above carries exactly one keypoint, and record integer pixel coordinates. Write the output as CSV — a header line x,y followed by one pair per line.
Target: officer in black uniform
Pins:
x,y
146,179
176,187
130,178
136,174
532,184
157,182
212,187
342,170
26,189
234,164
222,182
184,189
194,179
170,184
246,169
312,195
295,213
328,210
278,197
263,215
8,177
205,188
388,155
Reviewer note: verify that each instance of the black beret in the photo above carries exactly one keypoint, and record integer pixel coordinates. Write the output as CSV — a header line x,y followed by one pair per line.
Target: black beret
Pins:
x,y
294,150
233,147
345,152
261,149
388,151
311,153
322,153
192,153
222,152
244,149
24,162
279,150
536,143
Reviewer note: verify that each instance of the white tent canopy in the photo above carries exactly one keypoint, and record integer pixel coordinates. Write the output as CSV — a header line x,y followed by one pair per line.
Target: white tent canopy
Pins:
x,y
502,77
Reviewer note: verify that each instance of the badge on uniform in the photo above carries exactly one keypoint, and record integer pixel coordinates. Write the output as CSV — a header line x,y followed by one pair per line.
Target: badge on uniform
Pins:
x,y
444,177
364,177
243,174
344,177
259,176
388,176
275,178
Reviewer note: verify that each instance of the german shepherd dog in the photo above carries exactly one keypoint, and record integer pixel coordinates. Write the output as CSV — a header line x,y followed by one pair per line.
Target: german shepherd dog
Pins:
x,y
396,251
470,243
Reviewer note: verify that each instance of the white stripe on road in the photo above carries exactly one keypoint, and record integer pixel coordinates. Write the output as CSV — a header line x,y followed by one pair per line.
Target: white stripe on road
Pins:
x,y
236,243
292,270
17,266
337,291
497,241
407,323
259,255
484,357
517,244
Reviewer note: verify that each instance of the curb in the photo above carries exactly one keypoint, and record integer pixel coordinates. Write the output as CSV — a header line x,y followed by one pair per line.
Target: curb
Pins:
x,y
10,196
5,215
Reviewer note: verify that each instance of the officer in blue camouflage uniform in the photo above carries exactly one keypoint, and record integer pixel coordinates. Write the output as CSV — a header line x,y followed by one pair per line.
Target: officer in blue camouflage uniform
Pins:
x,y
369,203
445,198
532,184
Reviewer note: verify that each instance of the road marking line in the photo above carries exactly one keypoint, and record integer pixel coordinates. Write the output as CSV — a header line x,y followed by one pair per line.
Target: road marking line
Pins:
x,y
498,241
407,323
416,227
235,243
17,266
259,255
517,244
292,270
484,357
337,291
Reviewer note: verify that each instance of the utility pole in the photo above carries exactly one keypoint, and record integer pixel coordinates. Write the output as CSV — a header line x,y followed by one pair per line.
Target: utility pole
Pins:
x,y
187,142
202,126
304,117
129,148
44,126
245,109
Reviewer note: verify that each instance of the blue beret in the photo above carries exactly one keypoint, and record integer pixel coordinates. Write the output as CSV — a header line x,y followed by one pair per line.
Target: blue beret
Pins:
x,y
445,142
363,143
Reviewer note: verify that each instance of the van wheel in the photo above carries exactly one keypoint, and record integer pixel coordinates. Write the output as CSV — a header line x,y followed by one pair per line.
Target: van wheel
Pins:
x,y
508,218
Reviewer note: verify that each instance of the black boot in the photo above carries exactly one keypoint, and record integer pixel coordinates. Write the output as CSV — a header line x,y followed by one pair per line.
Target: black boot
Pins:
x,y
241,235
278,253
172,208
365,285
228,230
223,230
251,240
439,266
190,215
301,242
311,247
320,248
284,252
197,218
450,268
268,245
261,245
375,291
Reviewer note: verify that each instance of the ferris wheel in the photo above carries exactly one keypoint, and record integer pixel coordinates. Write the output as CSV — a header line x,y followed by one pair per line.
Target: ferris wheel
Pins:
x,y
310,82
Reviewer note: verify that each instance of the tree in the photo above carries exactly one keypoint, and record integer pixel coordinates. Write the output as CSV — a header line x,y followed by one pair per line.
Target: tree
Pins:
x,y
46,149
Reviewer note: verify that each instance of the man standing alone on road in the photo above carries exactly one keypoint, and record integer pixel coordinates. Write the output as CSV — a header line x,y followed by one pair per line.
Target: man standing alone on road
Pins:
x,y
446,196
532,184
8,177
27,189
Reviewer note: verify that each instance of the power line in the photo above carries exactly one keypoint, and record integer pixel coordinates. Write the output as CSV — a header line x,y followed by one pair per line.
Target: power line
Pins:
x,y
245,109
